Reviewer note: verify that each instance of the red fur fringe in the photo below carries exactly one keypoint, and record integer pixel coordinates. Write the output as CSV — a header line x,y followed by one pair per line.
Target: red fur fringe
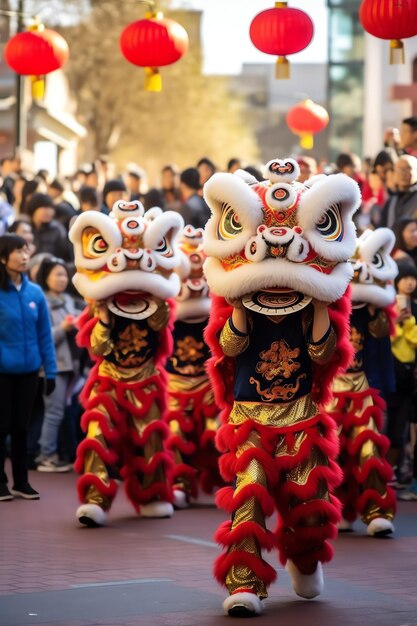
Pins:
x,y
184,472
259,567
381,442
141,465
380,466
138,495
109,457
227,501
87,480
339,313
227,537
386,503
111,434
328,510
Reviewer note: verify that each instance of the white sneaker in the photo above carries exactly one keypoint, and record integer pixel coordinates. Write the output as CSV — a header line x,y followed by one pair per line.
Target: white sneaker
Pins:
x,y
52,464
91,515
306,585
157,509
380,527
242,604
180,499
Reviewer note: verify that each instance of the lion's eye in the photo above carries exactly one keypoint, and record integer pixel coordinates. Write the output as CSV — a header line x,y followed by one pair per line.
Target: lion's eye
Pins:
x,y
163,247
378,261
229,225
330,226
94,244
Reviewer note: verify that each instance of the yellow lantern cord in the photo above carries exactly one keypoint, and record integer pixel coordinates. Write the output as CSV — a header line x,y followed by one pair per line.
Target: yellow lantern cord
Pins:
x,y
282,68
153,79
306,141
396,55
38,87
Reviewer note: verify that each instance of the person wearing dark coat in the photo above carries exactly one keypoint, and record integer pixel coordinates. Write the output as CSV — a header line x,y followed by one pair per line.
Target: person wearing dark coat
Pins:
x,y
194,209
403,202
50,236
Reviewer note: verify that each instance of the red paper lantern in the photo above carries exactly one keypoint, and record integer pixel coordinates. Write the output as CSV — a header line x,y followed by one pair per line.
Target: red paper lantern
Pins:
x,y
151,43
306,119
390,19
36,52
281,31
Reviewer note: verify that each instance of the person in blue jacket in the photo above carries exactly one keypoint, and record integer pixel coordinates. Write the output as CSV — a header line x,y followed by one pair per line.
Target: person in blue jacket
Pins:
x,y
25,345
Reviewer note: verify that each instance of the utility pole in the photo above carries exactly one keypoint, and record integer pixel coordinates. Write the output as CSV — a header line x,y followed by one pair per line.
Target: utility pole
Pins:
x,y
20,121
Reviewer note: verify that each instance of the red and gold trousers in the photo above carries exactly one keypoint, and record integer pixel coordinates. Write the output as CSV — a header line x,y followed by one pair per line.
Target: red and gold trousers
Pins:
x,y
358,412
280,458
125,435
193,420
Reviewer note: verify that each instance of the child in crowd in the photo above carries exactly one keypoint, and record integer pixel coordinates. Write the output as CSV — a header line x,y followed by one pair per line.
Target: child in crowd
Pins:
x,y
404,345
53,277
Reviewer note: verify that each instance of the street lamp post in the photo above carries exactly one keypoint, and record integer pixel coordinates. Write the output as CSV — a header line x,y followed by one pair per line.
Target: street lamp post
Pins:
x,y
20,119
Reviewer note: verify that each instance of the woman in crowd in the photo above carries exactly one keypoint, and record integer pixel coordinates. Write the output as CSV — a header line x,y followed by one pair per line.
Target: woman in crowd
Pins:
x,y
405,230
26,344
53,278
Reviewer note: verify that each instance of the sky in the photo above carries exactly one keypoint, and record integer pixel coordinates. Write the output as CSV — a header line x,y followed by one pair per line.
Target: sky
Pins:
x,y
225,32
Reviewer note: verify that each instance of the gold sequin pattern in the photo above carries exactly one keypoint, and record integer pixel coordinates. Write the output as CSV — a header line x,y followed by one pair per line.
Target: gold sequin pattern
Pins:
x,y
277,415
134,374
160,318
232,344
301,473
284,449
323,352
352,381
93,464
101,344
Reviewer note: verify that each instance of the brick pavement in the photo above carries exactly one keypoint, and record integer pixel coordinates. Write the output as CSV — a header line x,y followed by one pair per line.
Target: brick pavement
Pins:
x,y
138,572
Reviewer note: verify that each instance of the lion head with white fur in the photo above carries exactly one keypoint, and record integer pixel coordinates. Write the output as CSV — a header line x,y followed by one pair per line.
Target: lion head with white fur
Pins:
x,y
374,269
127,258
277,244
193,301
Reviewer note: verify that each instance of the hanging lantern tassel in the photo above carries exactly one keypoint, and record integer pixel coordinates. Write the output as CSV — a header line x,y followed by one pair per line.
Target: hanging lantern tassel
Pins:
x,y
307,141
393,20
282,68
153,79
305,119
38,87
152,43
396,52
281,31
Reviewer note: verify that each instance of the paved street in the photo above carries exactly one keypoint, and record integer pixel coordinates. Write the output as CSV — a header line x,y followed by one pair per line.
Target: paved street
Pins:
x,y
140,572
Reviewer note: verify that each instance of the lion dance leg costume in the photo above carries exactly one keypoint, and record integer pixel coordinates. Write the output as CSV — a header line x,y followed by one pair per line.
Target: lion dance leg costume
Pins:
x,y
125,265
358,408
278,448
193,413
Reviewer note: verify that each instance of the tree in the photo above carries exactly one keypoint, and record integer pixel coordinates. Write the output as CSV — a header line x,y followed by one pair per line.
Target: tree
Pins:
x,y
193,116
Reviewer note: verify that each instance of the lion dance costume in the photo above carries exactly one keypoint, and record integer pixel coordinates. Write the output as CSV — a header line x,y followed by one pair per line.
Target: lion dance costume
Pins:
x,y
358,408
125,262
192,414
274,246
